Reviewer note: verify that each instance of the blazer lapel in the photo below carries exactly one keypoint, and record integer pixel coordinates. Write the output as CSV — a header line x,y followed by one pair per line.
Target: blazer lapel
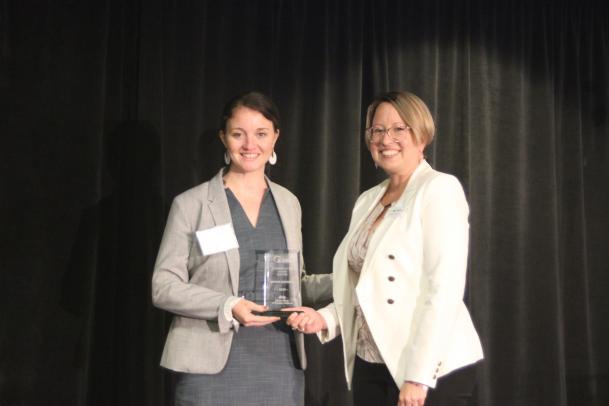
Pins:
x,y
387,223
367,207
414,180
286,214
361,213
218,206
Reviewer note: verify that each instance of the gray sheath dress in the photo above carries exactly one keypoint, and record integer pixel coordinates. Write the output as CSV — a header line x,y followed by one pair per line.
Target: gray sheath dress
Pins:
x,y
262,368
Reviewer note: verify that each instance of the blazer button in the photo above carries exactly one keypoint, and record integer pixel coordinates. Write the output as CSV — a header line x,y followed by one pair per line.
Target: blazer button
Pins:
x,y
437,369
434,377
390,301
391,257
391,279
439,363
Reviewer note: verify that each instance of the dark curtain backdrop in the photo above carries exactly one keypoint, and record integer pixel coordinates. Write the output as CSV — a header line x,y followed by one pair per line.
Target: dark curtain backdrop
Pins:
x,y
109,109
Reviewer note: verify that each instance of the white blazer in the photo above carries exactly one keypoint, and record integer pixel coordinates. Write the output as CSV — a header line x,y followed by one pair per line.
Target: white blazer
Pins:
x,y
412,282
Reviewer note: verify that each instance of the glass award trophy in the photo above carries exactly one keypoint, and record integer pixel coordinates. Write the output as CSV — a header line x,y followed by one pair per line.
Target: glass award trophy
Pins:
x,y
277,281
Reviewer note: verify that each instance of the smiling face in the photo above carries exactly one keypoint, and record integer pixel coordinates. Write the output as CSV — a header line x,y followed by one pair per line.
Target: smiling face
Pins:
x,y
249,140
394,157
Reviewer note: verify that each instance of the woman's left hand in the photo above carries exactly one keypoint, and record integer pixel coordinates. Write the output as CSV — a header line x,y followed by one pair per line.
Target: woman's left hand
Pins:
x,y
412,395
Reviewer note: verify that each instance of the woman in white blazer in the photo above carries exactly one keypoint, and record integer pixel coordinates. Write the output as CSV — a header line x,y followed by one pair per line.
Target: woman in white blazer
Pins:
x,y
399,274
221,352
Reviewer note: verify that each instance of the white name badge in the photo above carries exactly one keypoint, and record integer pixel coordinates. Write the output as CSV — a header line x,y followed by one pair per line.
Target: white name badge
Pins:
x,y
217,239
395,212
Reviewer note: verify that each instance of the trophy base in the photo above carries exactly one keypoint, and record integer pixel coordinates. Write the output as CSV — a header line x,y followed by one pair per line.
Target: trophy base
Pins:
x,y
275,313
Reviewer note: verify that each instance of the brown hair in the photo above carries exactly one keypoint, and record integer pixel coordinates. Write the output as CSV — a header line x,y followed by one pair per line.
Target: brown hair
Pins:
x,y
411,109
252,100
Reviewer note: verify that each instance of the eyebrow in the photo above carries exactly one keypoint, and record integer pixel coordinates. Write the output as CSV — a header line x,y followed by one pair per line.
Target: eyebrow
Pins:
x,y
257,129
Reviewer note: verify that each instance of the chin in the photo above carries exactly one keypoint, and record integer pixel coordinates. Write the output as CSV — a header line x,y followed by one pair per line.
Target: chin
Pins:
x,y
390,165
250,168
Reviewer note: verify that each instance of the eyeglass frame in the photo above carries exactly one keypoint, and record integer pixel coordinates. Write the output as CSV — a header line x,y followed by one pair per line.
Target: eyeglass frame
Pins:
x,y
388,131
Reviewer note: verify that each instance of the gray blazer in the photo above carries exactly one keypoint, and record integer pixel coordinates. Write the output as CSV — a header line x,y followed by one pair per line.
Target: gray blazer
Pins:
x,y
195,287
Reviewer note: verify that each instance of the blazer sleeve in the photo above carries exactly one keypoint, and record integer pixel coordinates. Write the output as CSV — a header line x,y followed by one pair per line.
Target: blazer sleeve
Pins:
x,y
445,234
315,289
170,288
331,317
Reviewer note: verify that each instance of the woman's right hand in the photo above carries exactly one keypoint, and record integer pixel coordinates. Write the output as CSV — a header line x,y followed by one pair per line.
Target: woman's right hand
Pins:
x,y
243,313
309,321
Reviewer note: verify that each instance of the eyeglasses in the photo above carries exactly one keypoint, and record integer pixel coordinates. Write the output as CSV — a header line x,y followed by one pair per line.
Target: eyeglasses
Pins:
x,y
396,134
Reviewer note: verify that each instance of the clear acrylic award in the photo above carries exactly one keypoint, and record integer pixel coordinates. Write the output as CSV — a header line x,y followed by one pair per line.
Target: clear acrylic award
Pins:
x,y
277,281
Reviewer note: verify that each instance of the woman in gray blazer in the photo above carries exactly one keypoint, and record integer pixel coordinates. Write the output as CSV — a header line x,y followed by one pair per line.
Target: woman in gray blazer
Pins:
x,y
399,274
222,352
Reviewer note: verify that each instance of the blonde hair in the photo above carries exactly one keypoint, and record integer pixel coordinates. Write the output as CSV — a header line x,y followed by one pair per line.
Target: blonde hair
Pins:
x,y
411,109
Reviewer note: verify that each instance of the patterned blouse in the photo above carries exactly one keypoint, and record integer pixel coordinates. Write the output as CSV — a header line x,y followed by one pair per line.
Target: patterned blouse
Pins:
x,y
358,246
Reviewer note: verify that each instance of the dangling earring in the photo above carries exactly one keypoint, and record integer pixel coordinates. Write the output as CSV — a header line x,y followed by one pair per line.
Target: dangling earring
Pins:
x,y
273,158
227,158
376,166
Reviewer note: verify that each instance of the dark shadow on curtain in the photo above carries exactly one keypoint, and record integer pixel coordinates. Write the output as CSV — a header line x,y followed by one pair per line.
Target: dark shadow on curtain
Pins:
x,y
107,281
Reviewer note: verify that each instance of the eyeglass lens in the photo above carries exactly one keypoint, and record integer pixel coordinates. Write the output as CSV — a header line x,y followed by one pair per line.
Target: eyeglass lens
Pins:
x,y
396,133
